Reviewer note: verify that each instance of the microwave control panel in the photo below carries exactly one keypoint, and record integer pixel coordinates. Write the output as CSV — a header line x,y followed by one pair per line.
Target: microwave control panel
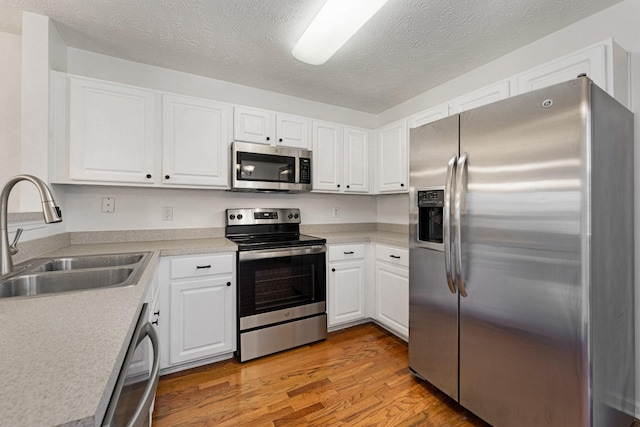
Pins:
x,y
305,171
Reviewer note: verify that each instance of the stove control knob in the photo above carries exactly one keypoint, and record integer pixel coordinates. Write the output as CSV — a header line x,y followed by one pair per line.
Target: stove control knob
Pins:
x,y
275,215
239,216
232,216
296,216
290,215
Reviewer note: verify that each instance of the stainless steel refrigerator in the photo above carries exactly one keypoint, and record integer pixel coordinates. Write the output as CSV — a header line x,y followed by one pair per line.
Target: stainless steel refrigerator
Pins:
x,y
521,258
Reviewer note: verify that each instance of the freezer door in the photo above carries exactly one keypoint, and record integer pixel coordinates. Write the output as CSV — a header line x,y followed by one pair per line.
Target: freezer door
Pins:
x,y
433,321
523,338
433,308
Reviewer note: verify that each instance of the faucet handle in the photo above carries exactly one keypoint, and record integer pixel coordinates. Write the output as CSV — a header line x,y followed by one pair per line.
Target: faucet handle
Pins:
x,y
13,249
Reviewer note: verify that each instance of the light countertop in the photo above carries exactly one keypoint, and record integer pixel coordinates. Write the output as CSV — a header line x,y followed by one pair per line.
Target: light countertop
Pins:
x,y
61,354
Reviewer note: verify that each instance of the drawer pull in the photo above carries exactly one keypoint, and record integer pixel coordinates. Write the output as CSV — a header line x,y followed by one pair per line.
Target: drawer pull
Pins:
x,y
203,266
348,252
394,256
156,318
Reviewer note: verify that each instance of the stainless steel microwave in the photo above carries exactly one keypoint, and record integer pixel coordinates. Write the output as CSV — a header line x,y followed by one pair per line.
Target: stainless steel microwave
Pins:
x,y
257,168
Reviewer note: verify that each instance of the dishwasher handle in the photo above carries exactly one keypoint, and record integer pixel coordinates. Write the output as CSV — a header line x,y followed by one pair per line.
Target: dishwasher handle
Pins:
x,y
150,391
137,419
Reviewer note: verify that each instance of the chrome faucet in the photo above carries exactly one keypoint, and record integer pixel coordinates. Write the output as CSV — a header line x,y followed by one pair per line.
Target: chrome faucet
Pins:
x,y
50,211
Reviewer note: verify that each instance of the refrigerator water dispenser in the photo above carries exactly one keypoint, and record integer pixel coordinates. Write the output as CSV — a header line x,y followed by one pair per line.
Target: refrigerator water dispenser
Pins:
x,y
430,206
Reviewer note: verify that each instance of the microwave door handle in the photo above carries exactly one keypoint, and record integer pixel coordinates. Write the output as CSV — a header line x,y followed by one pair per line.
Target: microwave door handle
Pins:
x,y
144,405
446,222
460,193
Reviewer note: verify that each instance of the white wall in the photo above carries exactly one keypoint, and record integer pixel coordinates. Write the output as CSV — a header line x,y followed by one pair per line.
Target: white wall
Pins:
x,y
393,208
10,46
137,209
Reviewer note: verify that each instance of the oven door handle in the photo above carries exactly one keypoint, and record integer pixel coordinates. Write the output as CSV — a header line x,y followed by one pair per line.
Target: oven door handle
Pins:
x,y
283,252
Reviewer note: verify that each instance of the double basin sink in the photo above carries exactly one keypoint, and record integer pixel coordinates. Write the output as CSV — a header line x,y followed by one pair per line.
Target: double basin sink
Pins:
x,y
67,274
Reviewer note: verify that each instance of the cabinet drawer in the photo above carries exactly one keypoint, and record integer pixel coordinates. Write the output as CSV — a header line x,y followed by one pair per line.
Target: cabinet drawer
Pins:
x,y
202,265
345,252
390,254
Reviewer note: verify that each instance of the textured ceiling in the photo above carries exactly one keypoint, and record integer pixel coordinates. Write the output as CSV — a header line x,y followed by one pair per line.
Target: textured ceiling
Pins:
x,y
409,47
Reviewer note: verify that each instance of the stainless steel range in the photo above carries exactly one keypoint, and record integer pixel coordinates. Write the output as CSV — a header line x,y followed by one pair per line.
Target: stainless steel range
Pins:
x,y
281,281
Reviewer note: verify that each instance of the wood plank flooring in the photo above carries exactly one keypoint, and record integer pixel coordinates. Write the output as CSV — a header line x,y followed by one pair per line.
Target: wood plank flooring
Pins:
x,y
358,376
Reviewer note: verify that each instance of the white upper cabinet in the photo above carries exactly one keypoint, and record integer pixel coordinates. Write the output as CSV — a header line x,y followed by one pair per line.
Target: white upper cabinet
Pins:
x,y
431,115
393,160
480,97
292,131
267,127
340,158
109,133
195,141
605,63
356,164
252,125
327,156
112,132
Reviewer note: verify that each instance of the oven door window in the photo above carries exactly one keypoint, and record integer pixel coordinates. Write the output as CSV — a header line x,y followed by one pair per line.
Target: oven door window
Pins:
x,y
280,282
265,167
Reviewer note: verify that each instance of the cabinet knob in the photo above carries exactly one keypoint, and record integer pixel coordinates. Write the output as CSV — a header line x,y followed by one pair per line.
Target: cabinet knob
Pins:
x,y
228,283
338,185
348,186
167,177
401,185
280,140
333,269
148,176
268,139
155,322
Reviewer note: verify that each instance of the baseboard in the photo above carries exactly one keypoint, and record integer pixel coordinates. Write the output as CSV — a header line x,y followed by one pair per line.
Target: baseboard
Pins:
x,y
195,364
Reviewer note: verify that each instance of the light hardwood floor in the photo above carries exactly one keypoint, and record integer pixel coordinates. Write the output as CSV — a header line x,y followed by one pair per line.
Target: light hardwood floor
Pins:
x,y
357,377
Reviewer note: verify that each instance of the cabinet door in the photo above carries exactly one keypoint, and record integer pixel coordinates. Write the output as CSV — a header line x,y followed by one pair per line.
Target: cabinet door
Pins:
x,y
431,115
327,156
356,160
590,61
480,97
346,292
195,138
112,134
393,162
292,131
252,125
392,297
201,313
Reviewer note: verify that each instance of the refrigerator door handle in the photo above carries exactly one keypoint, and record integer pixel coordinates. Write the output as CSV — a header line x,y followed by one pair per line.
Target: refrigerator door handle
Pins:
x,y
446,222
460,192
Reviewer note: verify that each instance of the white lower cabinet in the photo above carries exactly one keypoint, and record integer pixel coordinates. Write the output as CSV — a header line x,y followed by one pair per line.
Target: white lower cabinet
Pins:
x,y
392,289
200,300
346,279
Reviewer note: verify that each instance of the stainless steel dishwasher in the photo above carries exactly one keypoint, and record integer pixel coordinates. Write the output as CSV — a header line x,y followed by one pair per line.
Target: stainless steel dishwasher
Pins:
x,y
133,394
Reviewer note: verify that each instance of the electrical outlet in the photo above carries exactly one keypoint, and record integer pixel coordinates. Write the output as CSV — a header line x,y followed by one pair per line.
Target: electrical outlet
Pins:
x,y
336,212
167,213
108,204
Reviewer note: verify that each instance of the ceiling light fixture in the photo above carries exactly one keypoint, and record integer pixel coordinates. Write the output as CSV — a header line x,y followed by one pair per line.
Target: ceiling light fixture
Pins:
x,y
336,22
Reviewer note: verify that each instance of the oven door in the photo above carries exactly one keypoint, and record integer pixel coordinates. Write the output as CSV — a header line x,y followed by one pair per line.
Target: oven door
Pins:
x,y
271,280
